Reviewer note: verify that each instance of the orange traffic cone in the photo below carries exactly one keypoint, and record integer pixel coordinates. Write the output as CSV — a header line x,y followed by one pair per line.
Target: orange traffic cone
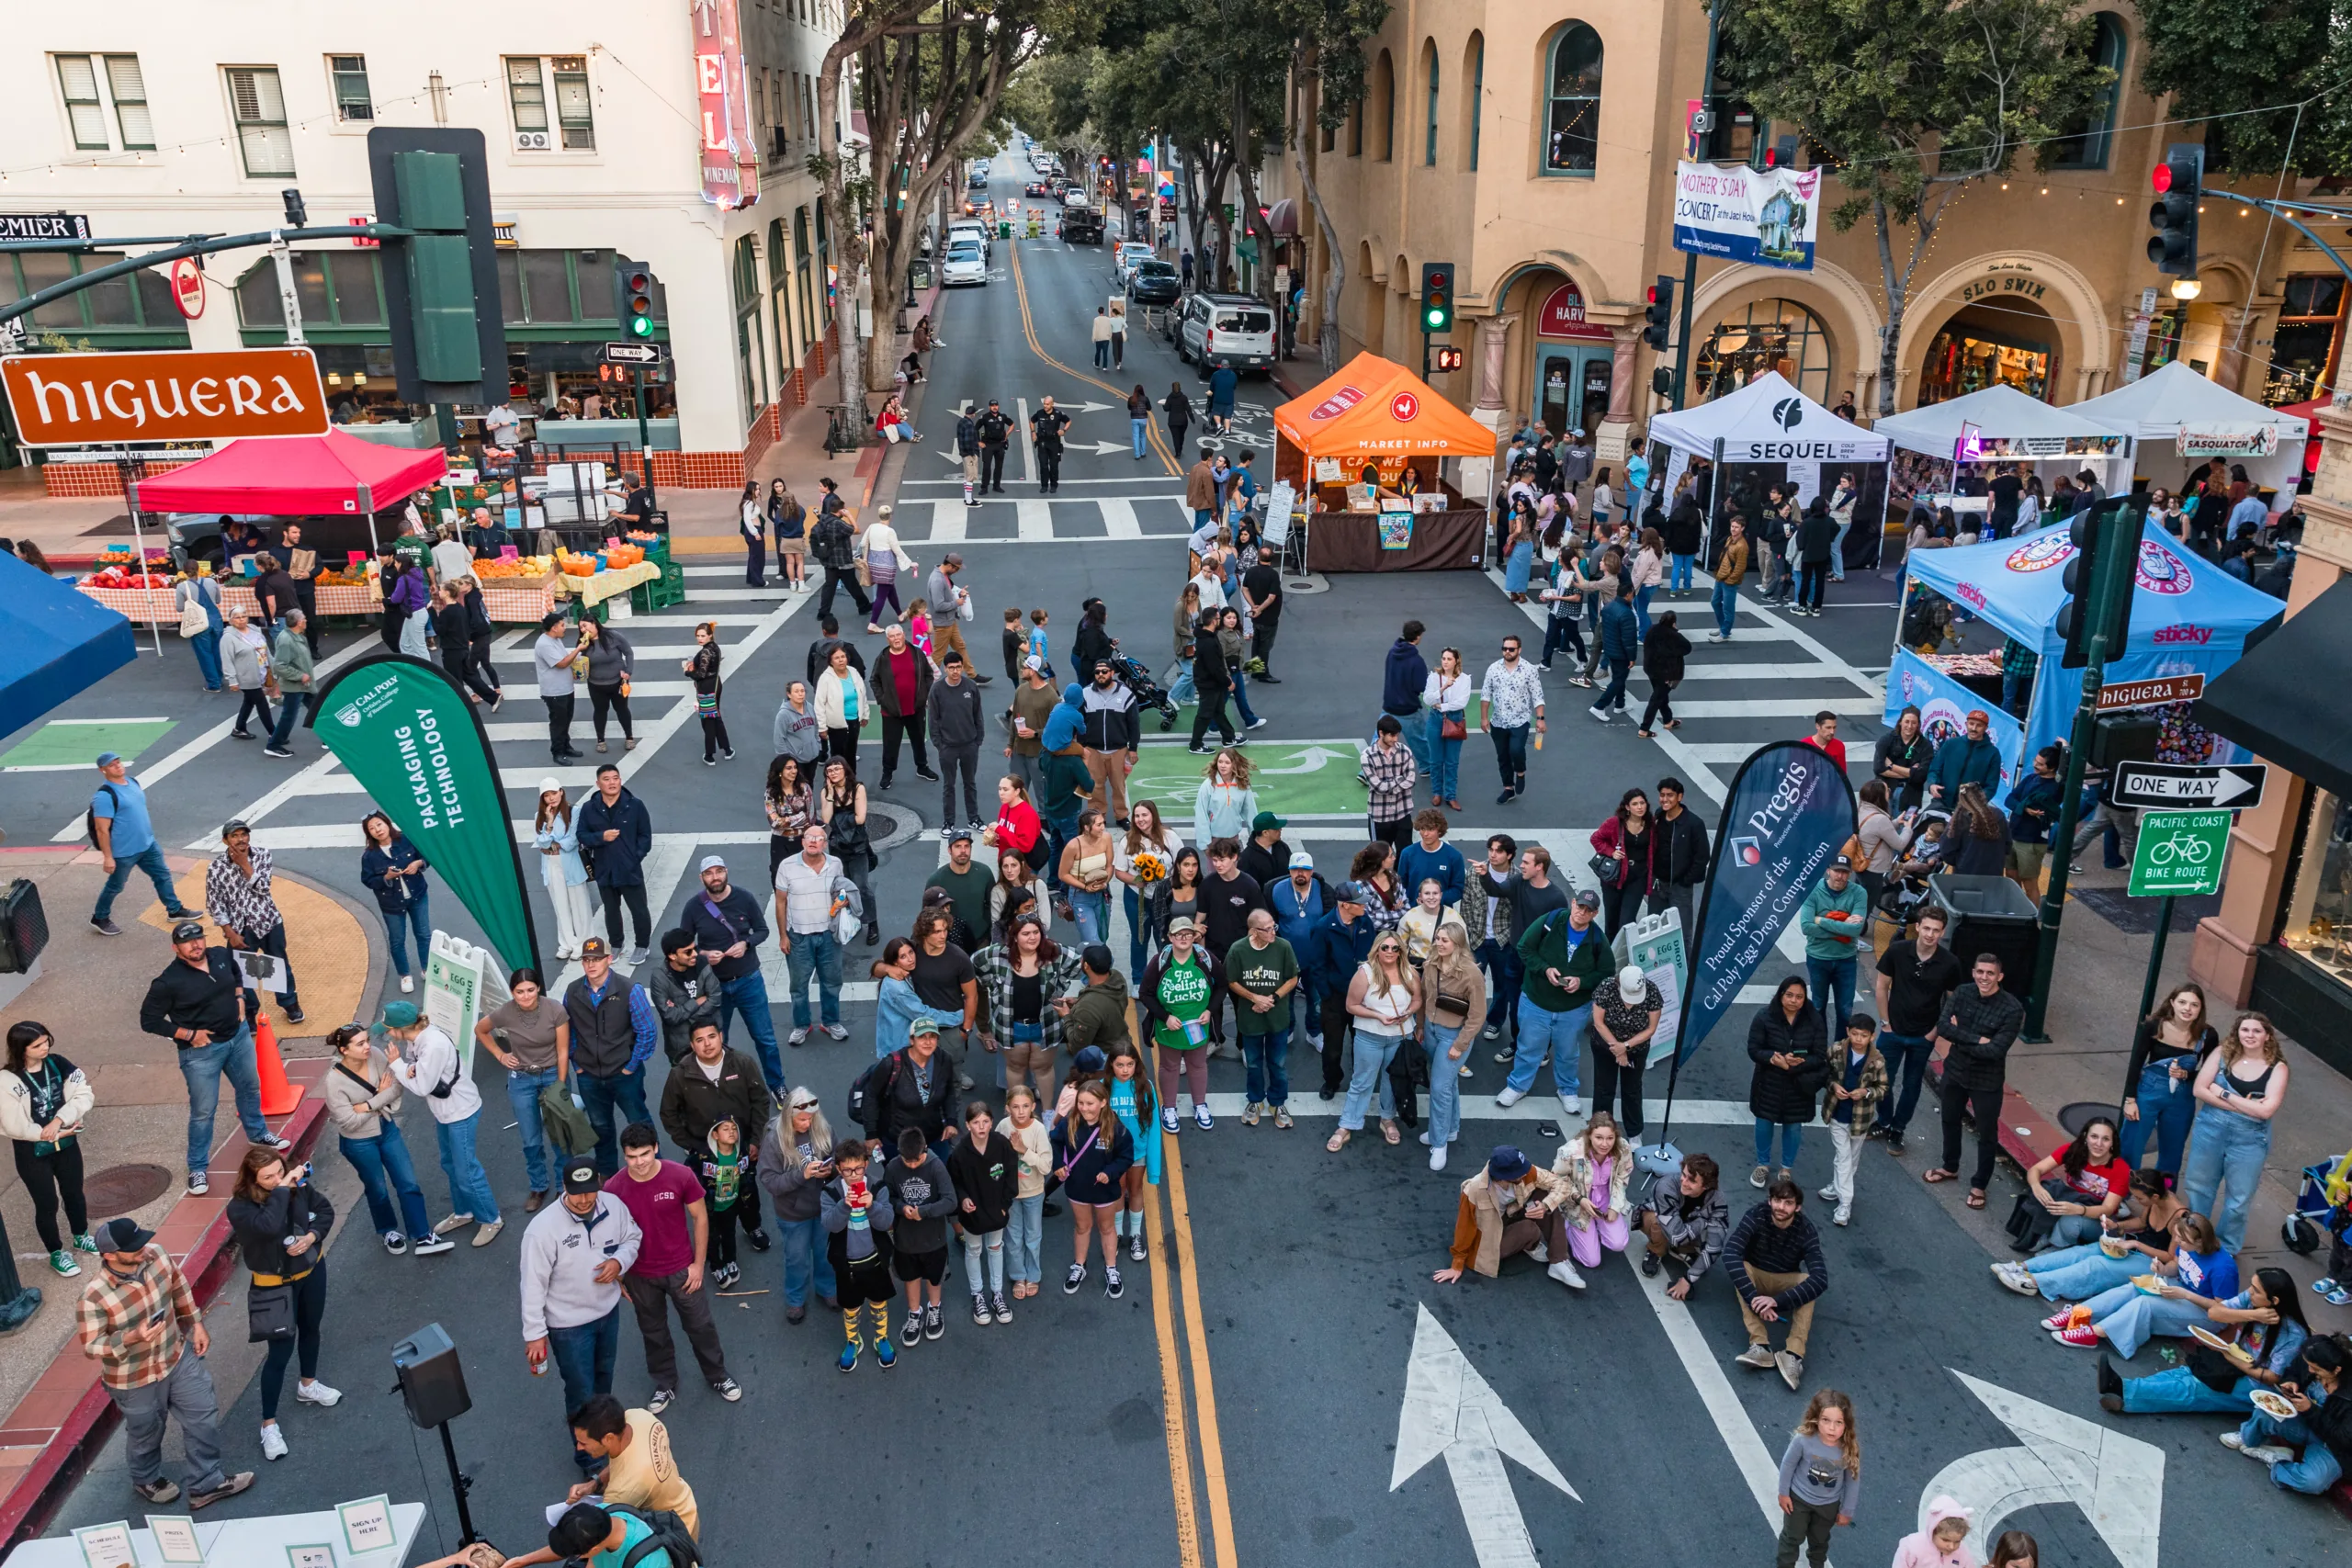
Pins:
x,y
278,1096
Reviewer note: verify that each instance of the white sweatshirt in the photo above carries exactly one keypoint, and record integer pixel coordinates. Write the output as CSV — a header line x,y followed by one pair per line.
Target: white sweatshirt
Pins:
x,y
562,1251
425,1065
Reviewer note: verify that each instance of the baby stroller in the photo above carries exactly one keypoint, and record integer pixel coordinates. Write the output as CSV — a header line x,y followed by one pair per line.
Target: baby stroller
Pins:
x,y
2321,1206
1150,693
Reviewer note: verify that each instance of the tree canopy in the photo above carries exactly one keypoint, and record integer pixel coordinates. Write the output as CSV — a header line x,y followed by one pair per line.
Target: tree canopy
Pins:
x,y
2225,58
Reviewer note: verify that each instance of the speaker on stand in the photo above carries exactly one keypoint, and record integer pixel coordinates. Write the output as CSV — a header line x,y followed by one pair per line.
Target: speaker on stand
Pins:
x,y
433,1386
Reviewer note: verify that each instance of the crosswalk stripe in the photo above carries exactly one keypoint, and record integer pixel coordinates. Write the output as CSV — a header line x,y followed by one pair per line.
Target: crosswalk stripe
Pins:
x,y
947,522
1779,707
1036,519
1119,518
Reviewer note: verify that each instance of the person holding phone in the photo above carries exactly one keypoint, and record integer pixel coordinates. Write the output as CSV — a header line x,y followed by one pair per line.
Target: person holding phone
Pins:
x,y
793,1174
281,1225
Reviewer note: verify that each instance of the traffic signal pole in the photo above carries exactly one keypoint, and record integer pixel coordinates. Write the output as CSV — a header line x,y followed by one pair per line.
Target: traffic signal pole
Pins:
x,y
1690,258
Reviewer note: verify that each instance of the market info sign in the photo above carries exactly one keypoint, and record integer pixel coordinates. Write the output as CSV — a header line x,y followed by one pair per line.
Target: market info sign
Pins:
x,y
730,158
81,399
1764,216
2259,442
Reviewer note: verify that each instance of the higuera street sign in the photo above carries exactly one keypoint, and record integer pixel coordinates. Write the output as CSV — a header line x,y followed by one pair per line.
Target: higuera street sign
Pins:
x,y
83,399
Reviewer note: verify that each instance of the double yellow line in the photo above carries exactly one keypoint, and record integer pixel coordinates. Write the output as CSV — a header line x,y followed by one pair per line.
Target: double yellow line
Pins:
x,y
1029,330
1195,1358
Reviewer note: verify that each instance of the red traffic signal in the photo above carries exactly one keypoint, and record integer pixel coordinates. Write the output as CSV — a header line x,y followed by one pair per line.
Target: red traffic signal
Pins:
x,y
2161,178
1446,359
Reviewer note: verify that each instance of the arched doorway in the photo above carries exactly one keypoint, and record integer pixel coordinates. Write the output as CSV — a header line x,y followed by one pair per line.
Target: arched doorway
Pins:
x,y
1995,338
1571,361
1762,335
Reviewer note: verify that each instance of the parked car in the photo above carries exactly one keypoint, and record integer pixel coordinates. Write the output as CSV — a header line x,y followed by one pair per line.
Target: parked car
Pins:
x,y
965,264
1154,282
1123,259
1081,224
1226,329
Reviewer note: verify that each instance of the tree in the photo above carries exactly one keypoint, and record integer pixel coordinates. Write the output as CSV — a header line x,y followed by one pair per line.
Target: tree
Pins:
x,y
2223,59
1910,102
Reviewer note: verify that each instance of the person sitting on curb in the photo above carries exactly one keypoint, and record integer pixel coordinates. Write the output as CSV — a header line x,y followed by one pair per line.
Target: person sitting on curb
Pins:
x,y
1686,1226
1509,1208
1774,1262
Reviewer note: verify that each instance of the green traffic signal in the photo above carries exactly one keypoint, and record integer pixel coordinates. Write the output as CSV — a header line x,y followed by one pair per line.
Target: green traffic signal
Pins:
x,y
1436,319
641,326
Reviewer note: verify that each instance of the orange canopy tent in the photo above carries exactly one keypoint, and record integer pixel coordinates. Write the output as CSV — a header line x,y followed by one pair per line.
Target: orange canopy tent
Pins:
x,y
1376,412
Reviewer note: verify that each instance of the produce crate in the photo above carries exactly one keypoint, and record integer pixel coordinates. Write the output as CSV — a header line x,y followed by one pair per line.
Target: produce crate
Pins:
x,y
668,589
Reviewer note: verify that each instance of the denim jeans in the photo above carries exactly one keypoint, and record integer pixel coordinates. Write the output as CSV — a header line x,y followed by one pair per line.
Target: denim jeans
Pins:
x,y
1833,987
296,703
1906,1057
2130,1319
2075,1230
2078,1273
1445,1083
1024,1234
1249,718
1724,601
1373,1052
1417,739
469,1187
1792,1139
583,1356
2165,1107
2227,1149
1556,1034
206,648
384,1170
748,994
988,1245
1136,428
1093,913
1136,955
274,945
1505,971
204,1067
151,861
2177,1391
817,952
1510,753
419,918
1445,759
1266,1067
805,1259
1641,610
1680,578
599,1096
2318,1469
523,1088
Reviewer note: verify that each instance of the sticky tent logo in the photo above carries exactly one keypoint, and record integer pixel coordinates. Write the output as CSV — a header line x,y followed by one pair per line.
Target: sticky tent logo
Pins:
x,y
2160,571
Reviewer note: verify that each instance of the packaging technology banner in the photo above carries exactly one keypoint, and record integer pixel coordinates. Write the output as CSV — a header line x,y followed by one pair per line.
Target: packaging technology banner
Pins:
x,y
407,733
1764,216
1787,813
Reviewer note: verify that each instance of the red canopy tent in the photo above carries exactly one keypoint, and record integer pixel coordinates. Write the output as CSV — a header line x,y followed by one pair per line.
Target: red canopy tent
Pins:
x,y
294,476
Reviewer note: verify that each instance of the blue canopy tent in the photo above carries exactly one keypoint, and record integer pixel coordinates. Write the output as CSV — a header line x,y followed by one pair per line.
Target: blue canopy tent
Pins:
x,y
54,643
2189,617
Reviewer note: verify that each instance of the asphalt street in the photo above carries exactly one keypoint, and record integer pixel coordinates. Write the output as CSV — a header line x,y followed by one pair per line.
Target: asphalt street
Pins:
x,y
1242,1403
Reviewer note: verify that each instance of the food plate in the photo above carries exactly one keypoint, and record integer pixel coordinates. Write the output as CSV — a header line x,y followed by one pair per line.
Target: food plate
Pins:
x,y
2148,1284
2205,1336
2114,1245
2271,1405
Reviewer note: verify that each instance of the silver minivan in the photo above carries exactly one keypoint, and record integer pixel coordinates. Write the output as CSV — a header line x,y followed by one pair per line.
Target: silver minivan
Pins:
x,y
1226,329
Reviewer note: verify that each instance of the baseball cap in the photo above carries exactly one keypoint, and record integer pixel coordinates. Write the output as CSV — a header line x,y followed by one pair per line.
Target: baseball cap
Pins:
x,y
924,1024
1350,893
188,931
1180,923
1979,713
1588,899
959,836
884,511
1089,1059
235,825
1033,662
1301,861
396,1015
549,783
594,948
109,759
710,861
580,1175
1265,819
1505,1163
1842,862
1631,983
951,558
125,1235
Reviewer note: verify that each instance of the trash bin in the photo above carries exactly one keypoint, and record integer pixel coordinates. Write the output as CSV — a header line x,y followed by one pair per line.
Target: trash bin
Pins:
x,y
1991,914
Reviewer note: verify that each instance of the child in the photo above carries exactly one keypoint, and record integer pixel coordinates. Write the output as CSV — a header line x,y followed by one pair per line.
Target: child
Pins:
x,y
1037,643
1092,1154
922,1197
982,1165
857,1243
1944,1545
1849,1104
1015,645
1135,1103
1025,1228
1821,1478
919,631
724,1171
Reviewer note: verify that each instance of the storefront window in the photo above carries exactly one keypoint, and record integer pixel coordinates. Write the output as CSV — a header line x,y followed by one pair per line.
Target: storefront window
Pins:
x,y
1766,334
2303,351
787,342
2317,920
1964,358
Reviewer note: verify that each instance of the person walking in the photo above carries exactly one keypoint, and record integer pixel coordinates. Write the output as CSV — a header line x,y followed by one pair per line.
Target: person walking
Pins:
x,y
125,836
198,600
1223,381
1178,408
425,1062
237,896
1045,430
281,1224
1663,654
573,1255
1139,417
885,558
1101,334
611,665
245,660
138,1321
811,892
1972,1038
364,1102
557,685
834,544
291,664
44,1101
1619,644
615,834
1514,706
198,1004
615,1031
673,1224
702,667
1212,680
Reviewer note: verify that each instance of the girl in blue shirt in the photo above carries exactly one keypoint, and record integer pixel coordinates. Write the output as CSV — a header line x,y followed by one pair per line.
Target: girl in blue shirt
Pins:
x,y
2266,1321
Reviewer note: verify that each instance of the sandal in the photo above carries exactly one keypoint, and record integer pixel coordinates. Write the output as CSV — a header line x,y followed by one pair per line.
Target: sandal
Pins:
x,y
1339,1141
1976,1197
1939,1174
1645,735
1388,1131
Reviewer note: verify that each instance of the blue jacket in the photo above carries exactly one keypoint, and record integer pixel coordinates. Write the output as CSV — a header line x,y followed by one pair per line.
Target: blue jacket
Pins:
x,y
1405,679
1222,382
620,862
1961,760
1295,917
1334,952
1416,865
394,895
1068,717
1620,633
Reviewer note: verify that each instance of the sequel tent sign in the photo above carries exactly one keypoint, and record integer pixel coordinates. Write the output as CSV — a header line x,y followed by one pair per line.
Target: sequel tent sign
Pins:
x,y
80,399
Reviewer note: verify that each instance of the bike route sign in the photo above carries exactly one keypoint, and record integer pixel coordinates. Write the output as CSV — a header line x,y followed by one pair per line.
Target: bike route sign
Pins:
x,y
2179,853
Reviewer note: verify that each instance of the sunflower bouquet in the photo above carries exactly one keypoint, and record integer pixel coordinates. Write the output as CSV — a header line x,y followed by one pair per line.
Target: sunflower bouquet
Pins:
x,y
1149,867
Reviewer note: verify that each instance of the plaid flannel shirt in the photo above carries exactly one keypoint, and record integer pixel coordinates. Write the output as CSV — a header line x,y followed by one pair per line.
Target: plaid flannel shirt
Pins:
x,y
112,1308
993,966
237,902
1389,773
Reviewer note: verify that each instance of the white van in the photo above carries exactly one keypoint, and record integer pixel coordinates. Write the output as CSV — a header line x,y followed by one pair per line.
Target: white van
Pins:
x,y
1226,329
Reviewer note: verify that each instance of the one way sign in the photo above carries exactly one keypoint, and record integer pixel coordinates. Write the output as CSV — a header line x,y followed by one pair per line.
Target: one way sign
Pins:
x,y
2234,786
632,354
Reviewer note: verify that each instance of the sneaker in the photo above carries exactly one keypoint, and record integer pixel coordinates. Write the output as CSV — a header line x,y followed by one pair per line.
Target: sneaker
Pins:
x,y
1437,1157
1842,1218
1783,1174
1201,1114
1168,1119
63,1263
660,1400
1792,1368
279,751
317,1393
408,982
197,1186
934,1325
728,1390
1251,1112
836,1031
1281,1116
1566,1272
1003,1311
1196,748
395,1243
1507,1054
489,1233
1599,712
1895,1143
1112,1286
432,1245
169,1491
283,1145
453,1223
1492,1031
1829,1193
2232,1441
228,1488
798,1037
87,1243
1510,1097
2340,1296
847,1361
1074,1278
1570,1105
1649,1265
2081,1336
2065,1317
1540,1252
759,1239
886,1354
980,1314
636,957
2020,1280
108,928
1759,1357
1760,1175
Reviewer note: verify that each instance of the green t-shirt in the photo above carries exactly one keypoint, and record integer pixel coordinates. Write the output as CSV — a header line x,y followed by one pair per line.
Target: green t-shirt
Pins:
x,y
969,892
1261,970
1184,994
726,1179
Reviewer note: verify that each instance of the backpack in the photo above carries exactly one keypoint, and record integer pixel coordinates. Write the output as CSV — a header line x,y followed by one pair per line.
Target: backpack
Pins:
x,y
870,1093
90,817
669,1535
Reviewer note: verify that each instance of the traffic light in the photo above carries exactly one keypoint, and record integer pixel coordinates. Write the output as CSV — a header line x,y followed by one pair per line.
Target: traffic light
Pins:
x,y
1447,359
2180,182
633,296
1660,314
1437,298
440,284
1662,381
2101,579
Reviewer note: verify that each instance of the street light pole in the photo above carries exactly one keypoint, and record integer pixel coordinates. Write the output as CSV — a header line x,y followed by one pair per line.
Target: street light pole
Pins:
x,y
1690,258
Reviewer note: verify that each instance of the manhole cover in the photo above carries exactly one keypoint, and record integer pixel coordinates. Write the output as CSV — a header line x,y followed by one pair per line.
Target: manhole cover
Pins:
x,y
119,1188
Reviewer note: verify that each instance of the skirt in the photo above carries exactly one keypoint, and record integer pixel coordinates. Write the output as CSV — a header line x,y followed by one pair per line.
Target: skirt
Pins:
x,y
1523,563
796,546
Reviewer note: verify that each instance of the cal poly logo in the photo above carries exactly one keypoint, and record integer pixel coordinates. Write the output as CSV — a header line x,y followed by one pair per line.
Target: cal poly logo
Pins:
x,y
1789,412
348,716
2161,571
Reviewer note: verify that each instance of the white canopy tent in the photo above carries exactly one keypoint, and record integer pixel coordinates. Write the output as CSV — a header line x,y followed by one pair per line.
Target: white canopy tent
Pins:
x,y
2181,420
2002,424
1769,425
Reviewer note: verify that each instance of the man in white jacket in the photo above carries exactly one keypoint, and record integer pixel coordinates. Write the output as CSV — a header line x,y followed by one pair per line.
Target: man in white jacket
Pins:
x,y
574,1253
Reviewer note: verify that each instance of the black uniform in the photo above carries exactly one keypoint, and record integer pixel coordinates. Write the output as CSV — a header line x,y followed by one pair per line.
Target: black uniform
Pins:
x,y
1046,427
995,430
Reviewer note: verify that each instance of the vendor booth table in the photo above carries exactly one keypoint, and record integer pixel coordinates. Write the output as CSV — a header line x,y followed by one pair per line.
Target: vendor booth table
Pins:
x,y
1999,424
333,475
1767,433
2189,622
1377,415
2182,422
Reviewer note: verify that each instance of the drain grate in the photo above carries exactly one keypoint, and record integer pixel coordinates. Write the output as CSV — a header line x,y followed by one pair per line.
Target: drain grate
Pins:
x,y
119,1188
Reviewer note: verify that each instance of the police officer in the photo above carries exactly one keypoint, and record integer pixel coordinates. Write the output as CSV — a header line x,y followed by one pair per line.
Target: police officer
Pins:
x,y
995,429
1046,427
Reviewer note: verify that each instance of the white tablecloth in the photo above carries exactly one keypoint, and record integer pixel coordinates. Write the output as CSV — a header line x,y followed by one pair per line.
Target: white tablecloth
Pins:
x,y
237,1543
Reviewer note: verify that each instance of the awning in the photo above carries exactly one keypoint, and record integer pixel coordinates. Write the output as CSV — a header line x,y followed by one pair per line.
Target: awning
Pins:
x,y
1283,219
1377,408
295,476
2282,700
54,643
1768,421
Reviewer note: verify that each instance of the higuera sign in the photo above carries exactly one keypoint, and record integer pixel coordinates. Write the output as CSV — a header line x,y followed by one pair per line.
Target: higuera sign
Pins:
x,y
81,399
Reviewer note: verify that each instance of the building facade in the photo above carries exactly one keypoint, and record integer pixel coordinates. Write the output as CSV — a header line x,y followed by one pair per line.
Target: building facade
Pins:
x,y
1533,147
609,134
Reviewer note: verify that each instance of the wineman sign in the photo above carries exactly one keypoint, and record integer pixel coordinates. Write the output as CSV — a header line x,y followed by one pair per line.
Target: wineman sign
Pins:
x,y
83,399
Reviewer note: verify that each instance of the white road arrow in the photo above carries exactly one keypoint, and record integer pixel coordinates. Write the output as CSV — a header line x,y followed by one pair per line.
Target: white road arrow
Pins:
x,y
1085,408
1101,448
1314,757
2118,1482
1450,1410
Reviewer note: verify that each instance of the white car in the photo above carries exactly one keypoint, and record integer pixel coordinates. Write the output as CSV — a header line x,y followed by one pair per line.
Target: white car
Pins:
x,y
1122,261
971,228
965,264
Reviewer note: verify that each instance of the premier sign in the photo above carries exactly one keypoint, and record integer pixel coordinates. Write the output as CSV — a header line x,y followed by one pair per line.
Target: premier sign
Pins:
x,y
81,399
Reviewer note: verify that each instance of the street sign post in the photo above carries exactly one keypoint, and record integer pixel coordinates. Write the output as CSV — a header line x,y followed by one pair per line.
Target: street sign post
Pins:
x,y
2119,694
83,399
2179,855
632,354
2163,785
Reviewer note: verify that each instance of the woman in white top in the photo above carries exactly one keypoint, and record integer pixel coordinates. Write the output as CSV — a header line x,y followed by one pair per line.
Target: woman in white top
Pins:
x,y
843,705
885,558
2029,506
1144,835
427,1062
1382,999
556,838
451,559
1604,499
1447,696
751,518
1211,580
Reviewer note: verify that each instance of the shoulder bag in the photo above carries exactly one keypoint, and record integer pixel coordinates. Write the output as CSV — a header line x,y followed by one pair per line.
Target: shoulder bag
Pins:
x,y
194,622
269,1313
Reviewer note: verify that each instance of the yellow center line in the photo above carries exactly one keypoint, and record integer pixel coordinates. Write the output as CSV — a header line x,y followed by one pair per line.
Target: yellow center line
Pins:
x,y
1203,1386
1171,1397
1029,331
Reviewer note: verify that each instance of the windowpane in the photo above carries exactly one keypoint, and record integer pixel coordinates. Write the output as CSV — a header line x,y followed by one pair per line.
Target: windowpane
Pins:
x,y
260,109
258,298
44,269
351,99
571,103
129,90
525,88
155,306
1428,149
356,303
510,286
595,274
310,287
109,302
1572,135
2085,143
77,81
546,287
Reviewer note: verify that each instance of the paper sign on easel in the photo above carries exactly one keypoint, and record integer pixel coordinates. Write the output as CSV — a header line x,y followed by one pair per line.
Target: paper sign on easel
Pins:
x,y
106,1546
368,1526
175,1539
462,984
